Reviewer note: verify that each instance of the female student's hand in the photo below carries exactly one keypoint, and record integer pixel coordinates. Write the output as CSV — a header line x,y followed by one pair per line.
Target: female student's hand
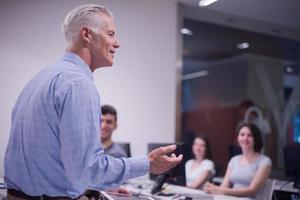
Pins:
x,y
212,189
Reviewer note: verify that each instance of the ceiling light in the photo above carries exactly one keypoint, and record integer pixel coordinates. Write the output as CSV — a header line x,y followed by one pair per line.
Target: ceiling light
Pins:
x,y
186,31
292,70
243,45
203,3
193,75
289,69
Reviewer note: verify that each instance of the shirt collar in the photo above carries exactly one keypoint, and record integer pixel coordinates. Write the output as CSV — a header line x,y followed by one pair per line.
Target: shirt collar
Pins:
x,y
74,58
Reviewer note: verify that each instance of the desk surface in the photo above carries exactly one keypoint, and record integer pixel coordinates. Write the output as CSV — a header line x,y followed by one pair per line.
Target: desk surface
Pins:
x,y
284,186
143,186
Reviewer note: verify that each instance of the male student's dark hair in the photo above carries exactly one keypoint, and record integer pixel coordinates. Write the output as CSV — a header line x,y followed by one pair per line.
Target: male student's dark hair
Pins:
x,y
108,109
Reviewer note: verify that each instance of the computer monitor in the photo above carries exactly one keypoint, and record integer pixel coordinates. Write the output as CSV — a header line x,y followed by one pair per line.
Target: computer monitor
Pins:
x,y
126,147
174,176
292,163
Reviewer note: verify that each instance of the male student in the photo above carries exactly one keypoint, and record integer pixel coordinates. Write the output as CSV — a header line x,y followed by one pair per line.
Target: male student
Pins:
x,y
54,150
108,126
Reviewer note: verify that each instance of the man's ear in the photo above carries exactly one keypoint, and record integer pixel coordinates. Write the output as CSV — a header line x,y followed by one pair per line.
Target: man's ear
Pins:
x,y
116,126
86,35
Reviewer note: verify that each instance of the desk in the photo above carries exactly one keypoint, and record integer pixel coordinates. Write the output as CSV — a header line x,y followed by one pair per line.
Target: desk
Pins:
x,y
284,186
143,185
284,190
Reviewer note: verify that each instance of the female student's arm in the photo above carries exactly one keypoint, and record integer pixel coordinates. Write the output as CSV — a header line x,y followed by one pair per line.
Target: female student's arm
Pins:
x,y
226,181
258,181
200,180
211,188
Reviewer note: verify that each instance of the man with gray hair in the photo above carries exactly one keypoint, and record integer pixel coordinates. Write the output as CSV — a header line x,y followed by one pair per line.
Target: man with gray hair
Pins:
x,y
53,150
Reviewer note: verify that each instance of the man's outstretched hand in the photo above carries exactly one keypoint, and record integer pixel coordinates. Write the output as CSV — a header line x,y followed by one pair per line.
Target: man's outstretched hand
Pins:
x,y
160,162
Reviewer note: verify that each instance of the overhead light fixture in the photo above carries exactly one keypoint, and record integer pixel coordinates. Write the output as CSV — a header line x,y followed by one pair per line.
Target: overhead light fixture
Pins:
x,y
243,45
203,3
194,75
292,70
186,31
289,69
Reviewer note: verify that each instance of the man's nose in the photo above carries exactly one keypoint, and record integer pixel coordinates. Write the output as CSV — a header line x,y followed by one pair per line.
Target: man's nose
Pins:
x,y
116,44
103,124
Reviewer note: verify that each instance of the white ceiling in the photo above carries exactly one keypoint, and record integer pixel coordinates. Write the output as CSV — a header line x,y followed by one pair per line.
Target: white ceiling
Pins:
x,y
281,12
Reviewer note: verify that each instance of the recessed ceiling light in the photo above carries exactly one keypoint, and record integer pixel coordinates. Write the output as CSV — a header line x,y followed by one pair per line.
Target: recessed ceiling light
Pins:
x,y
289,69
292,70
243,45
203,3
186,31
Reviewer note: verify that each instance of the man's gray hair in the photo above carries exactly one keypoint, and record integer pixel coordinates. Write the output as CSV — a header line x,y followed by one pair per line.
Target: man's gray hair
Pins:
x,y
83,16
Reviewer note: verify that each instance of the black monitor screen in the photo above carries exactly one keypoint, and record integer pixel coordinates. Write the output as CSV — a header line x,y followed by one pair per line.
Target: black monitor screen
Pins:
x,y
285,195
177,174
292,162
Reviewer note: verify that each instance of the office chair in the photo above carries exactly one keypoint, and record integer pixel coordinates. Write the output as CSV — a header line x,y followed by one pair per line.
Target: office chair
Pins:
x,y
126,147
267,190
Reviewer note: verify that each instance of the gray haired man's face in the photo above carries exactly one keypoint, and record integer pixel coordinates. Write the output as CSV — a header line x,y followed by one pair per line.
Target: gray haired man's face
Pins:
x,y
104,44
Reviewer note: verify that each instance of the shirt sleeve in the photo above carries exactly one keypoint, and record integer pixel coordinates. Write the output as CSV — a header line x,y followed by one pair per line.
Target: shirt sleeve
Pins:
x,y
265,161
209,166
233,161
187,165
82,156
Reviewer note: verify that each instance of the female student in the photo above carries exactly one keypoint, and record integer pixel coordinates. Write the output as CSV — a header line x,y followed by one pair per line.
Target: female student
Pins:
x,y
199,169
247,173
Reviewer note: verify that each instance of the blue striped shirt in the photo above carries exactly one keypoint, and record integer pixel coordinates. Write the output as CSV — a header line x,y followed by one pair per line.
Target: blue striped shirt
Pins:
x,y
54,146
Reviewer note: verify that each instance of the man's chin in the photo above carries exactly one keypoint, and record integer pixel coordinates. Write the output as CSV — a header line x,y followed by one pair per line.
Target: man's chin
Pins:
x,y
108,64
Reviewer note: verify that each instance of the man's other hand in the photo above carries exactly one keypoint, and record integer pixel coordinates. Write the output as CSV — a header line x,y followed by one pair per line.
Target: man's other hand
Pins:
x,y
160,162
